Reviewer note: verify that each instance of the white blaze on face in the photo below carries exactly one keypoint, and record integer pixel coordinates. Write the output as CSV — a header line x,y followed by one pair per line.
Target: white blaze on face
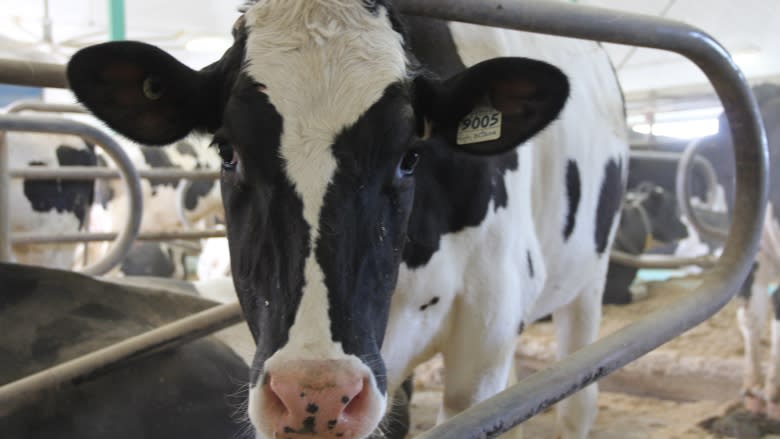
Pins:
x,y
323,63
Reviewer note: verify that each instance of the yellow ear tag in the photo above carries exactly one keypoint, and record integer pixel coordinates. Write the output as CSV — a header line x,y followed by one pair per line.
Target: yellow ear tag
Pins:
x,y
481,125
649,241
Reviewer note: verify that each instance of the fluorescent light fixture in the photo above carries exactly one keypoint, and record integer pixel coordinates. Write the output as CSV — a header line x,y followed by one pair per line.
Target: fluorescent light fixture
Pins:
x,y
684,129
208,44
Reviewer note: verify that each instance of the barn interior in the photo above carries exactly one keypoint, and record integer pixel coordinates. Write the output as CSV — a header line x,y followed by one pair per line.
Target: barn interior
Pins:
x,y
679,203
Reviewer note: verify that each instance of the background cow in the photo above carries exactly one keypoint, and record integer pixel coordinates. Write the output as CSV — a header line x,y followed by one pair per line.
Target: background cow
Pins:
x,y
375,212
650,215
51,316
54,206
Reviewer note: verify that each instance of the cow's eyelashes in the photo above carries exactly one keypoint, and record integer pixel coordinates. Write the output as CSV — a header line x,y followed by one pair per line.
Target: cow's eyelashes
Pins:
x,y
227,153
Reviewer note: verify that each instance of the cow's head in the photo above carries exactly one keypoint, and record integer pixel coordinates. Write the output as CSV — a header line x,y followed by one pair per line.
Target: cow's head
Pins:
x,y
320,117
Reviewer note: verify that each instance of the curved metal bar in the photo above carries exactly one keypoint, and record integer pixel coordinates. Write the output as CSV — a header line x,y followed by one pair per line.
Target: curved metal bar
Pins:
x,y
688,160
29,388
32,74
58,125
32,105
661,262
542,389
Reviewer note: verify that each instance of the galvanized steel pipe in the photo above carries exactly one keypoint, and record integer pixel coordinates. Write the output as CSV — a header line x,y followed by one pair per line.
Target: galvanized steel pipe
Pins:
x,y
52,125
42,238
661,262
5,202
688,160
32,74
40,106
82,172
28,389
540,390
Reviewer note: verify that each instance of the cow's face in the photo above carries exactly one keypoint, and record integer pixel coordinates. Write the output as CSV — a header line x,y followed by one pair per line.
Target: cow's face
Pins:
x,y
320,123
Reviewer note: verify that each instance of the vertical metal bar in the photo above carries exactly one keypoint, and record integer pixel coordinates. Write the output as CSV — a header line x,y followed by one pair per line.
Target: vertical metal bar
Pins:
x,y
532,395
116,15
5,201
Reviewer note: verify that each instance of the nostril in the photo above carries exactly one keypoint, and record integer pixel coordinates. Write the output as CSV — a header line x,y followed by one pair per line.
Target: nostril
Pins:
x,y
355,405
274,403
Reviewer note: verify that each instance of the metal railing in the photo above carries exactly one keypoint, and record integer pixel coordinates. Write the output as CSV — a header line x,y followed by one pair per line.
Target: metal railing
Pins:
x,y
540,390
110,260
688,161
59,125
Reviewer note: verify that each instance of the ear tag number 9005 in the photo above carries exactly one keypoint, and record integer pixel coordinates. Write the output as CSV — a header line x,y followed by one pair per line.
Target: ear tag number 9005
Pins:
x,y
481,125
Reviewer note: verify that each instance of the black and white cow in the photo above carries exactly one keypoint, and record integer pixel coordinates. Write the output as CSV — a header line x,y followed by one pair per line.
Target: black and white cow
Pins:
x,y
51,206
52,316
650,215
196,203
378,214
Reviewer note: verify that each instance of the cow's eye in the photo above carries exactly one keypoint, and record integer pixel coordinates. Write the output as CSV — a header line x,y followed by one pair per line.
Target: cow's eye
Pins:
x,y
228,155
408,163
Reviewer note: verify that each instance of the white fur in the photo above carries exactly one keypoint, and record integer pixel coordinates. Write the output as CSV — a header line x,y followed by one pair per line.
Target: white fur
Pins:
x,y
291,48
23,149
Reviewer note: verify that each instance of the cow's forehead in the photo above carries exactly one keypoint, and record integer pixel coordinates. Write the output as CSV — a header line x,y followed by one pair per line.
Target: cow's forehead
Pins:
x,y
323,64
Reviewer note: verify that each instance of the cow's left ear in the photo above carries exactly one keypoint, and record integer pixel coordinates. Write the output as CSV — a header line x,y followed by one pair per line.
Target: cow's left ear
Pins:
x,y
142,92
493,106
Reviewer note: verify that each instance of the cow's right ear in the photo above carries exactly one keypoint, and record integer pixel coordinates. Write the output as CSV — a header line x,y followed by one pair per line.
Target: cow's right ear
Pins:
x,y
142,92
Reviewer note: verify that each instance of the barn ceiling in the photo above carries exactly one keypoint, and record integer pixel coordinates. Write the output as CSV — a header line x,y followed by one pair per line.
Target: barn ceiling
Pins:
x,y
197,30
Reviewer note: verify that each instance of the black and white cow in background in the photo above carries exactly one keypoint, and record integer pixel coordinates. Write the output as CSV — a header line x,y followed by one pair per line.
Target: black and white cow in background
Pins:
x,y
650,215
761,293
367,231
50,206
199,204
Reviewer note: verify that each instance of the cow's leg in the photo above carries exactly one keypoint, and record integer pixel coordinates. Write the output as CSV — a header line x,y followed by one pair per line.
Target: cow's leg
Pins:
x,y
772,386
751,317
479,356
577,325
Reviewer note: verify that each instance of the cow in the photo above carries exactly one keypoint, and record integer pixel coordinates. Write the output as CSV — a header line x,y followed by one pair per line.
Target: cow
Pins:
x,y
52,205
378,206
53,316
197,203
650,215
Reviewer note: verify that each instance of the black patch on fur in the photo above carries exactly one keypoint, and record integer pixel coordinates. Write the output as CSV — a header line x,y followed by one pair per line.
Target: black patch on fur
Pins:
x,y
433,301
158,158
186,148
332,423
610,199
530,263
74,196
312,408
573,194
776,302
746,290
431,43
196,190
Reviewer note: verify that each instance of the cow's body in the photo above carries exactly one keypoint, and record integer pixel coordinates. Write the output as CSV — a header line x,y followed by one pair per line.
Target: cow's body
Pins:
x,y
363,239
516,264
52,316
50,206
168,205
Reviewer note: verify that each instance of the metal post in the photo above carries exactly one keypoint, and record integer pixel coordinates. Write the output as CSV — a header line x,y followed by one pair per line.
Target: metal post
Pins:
x,y
539,391
32,74
116,16
28,389
5,202
117,252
